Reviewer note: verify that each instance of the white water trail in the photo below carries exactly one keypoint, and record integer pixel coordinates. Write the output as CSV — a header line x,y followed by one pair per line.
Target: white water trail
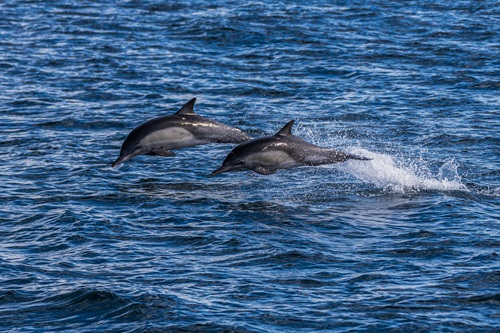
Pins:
x,y
382,171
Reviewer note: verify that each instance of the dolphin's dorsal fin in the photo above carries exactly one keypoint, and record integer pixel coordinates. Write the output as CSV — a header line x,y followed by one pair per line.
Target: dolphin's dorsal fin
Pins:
x,y
287,129
188,108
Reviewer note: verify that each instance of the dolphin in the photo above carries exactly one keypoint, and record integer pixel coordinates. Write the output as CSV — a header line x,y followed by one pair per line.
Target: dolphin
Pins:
x,y
282,151
182,129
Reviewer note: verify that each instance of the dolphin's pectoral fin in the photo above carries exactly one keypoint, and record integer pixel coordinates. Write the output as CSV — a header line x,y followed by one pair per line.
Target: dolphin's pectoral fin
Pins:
x,y
264,171
160,152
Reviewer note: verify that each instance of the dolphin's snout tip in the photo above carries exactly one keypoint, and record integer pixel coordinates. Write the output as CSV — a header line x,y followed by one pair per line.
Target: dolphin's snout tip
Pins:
x,y
220,170
216,172
118,161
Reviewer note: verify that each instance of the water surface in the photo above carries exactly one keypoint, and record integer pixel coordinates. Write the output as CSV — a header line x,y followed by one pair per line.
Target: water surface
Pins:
x,y
408,241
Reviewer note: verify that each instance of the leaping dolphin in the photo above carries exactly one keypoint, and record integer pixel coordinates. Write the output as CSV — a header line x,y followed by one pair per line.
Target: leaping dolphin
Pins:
x,y
182,129
282,151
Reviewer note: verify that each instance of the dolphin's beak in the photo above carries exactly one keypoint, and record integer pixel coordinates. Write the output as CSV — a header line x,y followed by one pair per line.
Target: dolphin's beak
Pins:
x,y
119,160
220,170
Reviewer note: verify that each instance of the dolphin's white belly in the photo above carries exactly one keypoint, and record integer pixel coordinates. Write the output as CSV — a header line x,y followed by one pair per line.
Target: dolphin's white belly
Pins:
x,y
171,138
275,159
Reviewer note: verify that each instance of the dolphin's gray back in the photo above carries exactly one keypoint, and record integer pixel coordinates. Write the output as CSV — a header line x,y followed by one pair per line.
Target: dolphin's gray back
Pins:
x,y
298,150
281,151
182,129
202,129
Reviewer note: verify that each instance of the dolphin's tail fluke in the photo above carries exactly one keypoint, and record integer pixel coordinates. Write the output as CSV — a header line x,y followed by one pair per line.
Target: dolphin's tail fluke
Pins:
x,y
359,158
337,156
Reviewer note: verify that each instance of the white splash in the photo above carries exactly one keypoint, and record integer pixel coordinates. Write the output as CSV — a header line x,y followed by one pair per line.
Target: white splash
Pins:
x,y
382,171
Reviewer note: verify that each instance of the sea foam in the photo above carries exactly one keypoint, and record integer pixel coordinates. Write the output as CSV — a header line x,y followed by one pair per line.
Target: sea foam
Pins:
x,y
384,172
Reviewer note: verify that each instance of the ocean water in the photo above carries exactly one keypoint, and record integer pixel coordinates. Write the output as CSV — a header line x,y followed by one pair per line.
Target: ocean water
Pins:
x,y
406,242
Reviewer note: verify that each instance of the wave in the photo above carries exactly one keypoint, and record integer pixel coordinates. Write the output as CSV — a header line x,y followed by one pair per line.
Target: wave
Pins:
x,y
383,171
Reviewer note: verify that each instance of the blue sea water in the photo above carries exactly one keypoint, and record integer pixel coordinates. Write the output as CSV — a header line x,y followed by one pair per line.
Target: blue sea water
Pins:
x,y
406,242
